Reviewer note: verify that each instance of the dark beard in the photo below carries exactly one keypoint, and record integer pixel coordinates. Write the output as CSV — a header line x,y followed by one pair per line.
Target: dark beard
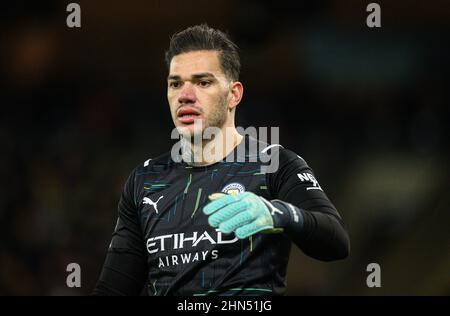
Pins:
x,y
218,117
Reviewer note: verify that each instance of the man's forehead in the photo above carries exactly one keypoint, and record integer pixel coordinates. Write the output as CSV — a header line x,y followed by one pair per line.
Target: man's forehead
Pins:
x,y
189,63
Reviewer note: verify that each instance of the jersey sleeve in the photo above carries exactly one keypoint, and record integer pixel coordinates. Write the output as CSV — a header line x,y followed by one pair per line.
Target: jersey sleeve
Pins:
x,y
307,215
124,270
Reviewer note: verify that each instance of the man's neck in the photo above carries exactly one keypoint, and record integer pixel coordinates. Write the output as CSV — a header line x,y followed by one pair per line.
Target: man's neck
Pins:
x,y
204,152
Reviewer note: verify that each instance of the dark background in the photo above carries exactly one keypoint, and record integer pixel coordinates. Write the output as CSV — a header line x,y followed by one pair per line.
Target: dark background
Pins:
x,y
367,108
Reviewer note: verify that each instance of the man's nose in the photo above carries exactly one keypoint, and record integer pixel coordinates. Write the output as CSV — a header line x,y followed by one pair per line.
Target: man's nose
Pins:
x,y
187,94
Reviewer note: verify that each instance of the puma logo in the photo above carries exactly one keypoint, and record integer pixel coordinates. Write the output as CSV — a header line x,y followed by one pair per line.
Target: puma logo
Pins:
x,y
147,200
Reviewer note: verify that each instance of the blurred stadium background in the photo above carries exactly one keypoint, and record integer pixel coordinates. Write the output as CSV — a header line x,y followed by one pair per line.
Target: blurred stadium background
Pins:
x,y
367,108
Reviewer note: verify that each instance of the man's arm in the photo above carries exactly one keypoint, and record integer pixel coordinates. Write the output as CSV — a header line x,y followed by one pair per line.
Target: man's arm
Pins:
x,y
125,269
307,215
300,209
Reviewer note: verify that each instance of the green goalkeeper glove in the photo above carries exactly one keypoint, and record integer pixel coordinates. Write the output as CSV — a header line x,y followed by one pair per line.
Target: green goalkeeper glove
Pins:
x,y
245,214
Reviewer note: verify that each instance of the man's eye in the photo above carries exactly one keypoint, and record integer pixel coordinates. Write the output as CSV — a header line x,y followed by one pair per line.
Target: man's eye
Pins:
x,y
204,83
174,84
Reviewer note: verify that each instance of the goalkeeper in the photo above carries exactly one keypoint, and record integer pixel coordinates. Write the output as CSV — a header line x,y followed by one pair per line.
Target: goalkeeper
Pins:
x,y
215,226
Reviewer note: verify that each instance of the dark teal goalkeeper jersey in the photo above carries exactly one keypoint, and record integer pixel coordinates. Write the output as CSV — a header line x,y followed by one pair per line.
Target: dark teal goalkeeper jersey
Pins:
x,y
163,243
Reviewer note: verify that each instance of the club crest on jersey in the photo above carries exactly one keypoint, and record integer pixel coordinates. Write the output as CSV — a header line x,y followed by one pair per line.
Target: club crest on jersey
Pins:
x,y
233,188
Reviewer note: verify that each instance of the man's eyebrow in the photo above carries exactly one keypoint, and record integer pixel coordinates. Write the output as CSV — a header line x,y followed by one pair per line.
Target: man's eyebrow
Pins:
x,y
173,77
194,76
203,75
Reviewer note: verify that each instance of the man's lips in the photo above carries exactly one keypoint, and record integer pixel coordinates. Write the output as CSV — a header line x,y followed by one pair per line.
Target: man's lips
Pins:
x,y
187,110
187,114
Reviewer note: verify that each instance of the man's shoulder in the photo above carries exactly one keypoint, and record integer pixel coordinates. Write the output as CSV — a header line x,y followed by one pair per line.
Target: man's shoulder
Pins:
x,y
154,165
279,152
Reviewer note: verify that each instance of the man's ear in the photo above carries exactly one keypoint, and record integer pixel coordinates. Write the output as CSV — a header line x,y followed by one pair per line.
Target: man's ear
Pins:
x,y
237,91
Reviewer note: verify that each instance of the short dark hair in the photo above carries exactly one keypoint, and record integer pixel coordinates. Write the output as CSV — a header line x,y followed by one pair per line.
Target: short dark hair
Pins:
x,y
203,37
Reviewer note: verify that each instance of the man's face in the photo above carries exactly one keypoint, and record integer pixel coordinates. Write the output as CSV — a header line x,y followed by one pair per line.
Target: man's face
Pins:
x,y
197,89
